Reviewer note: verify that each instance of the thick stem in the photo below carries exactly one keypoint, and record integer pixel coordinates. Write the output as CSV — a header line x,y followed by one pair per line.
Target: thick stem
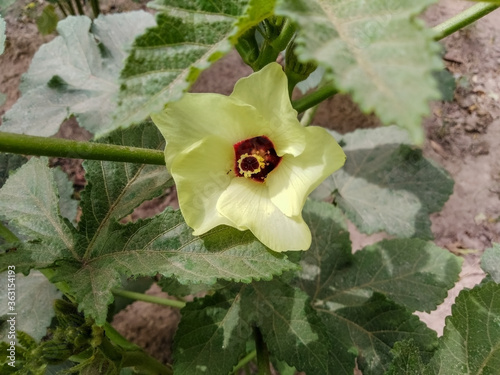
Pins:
x,y
314,98
262,353
244,361
57,147
463,19
148,298
6,234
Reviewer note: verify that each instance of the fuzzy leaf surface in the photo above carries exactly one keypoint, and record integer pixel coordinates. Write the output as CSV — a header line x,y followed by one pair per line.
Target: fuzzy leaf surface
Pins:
x,y
490,262
164,245
114,189
8,164
386,185
471,340
29,202
35,298
68,207
346,290
377,51
407,359
75,75
166,60
211,335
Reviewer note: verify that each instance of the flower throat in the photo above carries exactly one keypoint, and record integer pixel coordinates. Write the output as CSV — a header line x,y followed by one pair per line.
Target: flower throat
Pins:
x,y
255,158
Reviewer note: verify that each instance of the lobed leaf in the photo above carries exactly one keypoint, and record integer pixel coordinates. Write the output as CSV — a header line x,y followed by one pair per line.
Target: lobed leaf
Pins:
x,y
35,299
471,340
30,202
386,185
293,330
211,335
76,75
8,164
376,51
168,58
346,289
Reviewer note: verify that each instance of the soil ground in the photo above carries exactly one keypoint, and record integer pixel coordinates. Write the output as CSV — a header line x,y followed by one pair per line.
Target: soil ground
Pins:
x,y
462,135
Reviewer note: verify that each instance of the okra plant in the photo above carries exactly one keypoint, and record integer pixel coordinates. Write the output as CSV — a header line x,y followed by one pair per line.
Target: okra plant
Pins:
x,y
261,235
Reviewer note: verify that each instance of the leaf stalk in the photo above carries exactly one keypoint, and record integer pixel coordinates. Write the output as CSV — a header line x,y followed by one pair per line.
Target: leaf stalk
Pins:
x,y
147,298
463,19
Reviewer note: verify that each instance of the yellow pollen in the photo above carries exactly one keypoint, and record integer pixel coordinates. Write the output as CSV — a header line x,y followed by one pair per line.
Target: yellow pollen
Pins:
x,y
257,159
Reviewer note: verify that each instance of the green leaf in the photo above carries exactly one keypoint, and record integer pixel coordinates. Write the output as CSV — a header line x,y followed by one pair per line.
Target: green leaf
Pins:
x,y
2,35
167,59
490,262
293,331
407,359
164,245
29,201
471,340
68,207
211,336
8,164
372,328
401,269
386,185
75,75
47,22
346,289
377,51
35,299
114,190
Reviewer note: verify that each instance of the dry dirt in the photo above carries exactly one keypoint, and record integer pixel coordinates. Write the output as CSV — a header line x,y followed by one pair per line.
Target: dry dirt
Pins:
x,y
462,135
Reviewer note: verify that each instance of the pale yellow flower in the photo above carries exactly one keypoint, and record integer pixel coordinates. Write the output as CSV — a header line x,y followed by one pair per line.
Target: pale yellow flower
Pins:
x,y
245,161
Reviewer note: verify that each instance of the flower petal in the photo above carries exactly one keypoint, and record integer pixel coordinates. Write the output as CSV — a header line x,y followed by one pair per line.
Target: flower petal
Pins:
x,y
267,91
246,203
196,116
296,177
201,175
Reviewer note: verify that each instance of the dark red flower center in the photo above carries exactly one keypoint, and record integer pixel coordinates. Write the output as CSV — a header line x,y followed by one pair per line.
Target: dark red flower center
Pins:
x,y
255,158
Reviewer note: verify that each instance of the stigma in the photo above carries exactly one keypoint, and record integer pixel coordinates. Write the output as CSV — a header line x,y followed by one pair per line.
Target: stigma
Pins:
x,y
255,158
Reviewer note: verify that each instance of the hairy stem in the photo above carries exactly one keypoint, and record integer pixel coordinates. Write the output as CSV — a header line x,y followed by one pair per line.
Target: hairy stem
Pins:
x,y
463,19
148,298
262,353
57,147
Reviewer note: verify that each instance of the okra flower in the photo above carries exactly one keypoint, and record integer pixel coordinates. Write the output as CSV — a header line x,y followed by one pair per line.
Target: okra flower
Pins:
x,y
245,161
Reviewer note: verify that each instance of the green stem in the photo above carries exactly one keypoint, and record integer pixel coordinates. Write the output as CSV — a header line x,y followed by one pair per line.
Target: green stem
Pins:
x,y
262,353
6,234
463,19
57,147
95,7
244,361
285,36
314,98
148,298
